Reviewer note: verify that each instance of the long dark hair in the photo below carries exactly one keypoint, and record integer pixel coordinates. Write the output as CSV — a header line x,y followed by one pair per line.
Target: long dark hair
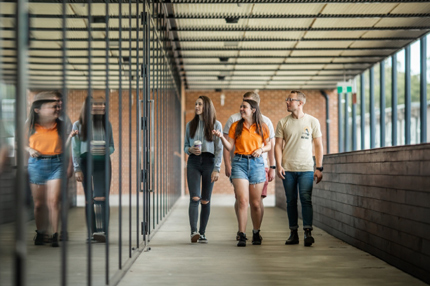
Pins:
x,y
83,121
209,119
33,117
256,117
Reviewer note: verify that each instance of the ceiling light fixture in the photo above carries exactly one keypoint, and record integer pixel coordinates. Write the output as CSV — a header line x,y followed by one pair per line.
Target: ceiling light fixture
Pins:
x,y
232,20
223,59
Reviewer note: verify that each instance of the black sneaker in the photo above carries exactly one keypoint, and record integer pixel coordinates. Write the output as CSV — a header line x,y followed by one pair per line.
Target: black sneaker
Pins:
x,y
54,242
242,239
203,239
39,238
256,238
237,236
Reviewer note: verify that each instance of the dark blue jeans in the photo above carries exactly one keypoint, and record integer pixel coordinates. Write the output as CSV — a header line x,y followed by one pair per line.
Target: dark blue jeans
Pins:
x,y
199,171
299,183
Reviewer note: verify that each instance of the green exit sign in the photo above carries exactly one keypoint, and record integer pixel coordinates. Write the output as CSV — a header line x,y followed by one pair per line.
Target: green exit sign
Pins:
x,y
344,89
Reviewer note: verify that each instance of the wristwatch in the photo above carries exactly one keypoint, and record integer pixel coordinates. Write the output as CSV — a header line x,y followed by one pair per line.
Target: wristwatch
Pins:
x,y
320,168
272,167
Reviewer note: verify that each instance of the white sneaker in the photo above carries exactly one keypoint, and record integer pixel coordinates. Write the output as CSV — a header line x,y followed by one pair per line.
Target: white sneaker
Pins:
x,y
195,236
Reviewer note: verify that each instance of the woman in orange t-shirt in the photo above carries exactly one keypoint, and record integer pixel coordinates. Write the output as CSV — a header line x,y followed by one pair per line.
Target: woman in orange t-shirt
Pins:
x,y
45,163
250,137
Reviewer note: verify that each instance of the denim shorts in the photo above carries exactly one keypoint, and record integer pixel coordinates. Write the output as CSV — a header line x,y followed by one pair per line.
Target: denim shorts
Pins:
x,y
44,168
251,169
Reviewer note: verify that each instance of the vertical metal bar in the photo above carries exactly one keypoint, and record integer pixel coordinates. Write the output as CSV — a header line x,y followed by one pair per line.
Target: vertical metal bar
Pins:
x,y
408,95
130,99
354,126
107,142
372,118
165,101
143,129
88,177
150,134
382,103
65,153
120,138
362,112
340,130
423,90
347,143
20,250
154,53
137,124
394,100
158,109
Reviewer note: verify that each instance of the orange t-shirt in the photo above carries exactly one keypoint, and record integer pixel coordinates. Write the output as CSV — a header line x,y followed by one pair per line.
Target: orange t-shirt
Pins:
x,y
249,140
46,141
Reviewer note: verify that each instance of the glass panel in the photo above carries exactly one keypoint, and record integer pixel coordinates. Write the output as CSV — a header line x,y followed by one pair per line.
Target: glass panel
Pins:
x,y
388,95
401,97
377,90
415,91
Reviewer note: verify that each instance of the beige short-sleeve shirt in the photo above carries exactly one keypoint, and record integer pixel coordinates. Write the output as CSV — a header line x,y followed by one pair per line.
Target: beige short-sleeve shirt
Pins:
x,y
298,135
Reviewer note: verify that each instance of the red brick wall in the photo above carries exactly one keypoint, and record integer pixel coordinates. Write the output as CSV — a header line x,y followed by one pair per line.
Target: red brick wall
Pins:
x,y
273,106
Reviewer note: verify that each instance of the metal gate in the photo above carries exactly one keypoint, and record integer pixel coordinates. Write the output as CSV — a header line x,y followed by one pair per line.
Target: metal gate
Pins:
x,y
118,50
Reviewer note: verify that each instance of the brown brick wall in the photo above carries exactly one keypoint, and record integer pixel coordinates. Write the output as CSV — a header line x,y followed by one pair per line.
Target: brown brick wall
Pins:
x,y
273,106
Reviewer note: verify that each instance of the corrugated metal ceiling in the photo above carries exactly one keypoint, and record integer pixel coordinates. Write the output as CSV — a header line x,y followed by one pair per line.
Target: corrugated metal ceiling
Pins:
x,y
274,44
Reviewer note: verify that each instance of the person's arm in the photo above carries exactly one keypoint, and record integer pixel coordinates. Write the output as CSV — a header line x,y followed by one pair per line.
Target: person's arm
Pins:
x,y
111,143
272,161
278,157
227,160
266,148
319,151
218,151
76,155
227,143
218,159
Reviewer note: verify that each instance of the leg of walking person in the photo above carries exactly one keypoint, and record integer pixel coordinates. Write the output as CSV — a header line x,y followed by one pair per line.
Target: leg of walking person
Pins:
x,y
53,200
207,187
194,175
241,188
100,191
40,212
88,204
264,194
255,203
290,187
305,183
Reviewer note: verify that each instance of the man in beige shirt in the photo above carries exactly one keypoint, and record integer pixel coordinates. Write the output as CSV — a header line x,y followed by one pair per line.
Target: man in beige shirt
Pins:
x,y
295,136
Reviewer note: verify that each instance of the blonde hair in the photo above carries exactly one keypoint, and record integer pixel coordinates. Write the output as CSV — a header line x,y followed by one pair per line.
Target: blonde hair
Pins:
x,y
253,95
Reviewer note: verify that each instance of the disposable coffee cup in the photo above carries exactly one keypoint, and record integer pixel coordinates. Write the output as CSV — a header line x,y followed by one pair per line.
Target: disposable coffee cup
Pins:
x,y
198,144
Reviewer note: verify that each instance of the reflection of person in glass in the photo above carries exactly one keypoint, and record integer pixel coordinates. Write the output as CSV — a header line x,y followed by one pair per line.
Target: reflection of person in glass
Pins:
x,y
101,138
45,163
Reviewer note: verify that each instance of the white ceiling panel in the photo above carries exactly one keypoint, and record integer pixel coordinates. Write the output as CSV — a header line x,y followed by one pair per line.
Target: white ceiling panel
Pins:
x,y
359,8
344,22
288,9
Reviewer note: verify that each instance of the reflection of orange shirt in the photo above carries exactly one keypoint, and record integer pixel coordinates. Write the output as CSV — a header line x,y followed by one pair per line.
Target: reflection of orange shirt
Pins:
x,y
46,141
249,140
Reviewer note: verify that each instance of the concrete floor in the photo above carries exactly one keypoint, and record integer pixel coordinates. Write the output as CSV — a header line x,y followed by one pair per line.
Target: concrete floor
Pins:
x,y
173,260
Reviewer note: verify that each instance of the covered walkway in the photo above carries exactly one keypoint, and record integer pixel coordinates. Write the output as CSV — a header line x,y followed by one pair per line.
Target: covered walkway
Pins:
x,y
173,260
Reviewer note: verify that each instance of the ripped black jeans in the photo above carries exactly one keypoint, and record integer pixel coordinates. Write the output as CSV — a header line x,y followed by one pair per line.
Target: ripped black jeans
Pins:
x,y
199,171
